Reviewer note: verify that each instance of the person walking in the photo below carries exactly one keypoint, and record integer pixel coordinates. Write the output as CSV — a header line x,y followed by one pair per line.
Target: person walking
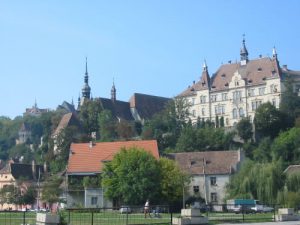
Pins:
x,y
147,209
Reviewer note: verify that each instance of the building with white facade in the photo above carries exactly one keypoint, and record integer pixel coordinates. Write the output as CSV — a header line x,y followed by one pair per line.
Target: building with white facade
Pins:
x,y
210,172
237,89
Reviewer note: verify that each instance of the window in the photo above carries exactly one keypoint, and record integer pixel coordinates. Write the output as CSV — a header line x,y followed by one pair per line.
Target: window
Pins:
x,y
273,88
255,104
213,98
94,200
224,96
219,109
213,181
241,112
213,197
194,112
237,96
251,93
261,91
234,113
193,101
274,102
196,189
202,99
203,112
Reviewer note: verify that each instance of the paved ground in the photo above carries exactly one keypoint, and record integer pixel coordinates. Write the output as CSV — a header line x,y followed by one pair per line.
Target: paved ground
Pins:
x,y
266,223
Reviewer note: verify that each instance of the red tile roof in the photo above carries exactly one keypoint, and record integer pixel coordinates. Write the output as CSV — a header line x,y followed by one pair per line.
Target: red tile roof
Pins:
x,y
84,159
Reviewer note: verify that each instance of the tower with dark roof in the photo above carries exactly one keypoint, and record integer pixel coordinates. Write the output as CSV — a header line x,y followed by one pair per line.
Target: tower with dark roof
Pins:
x,y
86,90
113,92
244,52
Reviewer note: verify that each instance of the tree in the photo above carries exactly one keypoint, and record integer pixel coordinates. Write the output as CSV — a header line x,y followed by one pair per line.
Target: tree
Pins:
x,y
89,114
125,130
106,126
244,129
131,177
51,190
268,120
263,152
290,101
287,146
172,181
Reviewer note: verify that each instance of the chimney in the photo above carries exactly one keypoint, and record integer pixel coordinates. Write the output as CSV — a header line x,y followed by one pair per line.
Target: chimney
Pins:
x,y
33,168
91,145
229,61
284,67
260,56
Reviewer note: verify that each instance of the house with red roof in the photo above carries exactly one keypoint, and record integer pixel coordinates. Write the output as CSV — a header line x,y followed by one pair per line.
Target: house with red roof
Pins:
x,y
87,160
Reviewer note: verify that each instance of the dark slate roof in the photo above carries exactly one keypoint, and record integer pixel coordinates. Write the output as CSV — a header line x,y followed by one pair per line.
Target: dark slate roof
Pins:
x,y
69,108
215,162
119,109
20,170
147,105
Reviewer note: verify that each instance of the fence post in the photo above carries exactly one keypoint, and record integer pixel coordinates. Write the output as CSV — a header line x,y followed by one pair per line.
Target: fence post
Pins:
x,y
243,212
69,217
170,209
127,217
92,217
24,217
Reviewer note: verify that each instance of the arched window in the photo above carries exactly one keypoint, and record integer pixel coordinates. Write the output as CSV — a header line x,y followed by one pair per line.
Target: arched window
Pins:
x,y
234,113
241,112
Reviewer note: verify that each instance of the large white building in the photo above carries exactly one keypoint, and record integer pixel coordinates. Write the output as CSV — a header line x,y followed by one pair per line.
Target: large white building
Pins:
x,y
237,89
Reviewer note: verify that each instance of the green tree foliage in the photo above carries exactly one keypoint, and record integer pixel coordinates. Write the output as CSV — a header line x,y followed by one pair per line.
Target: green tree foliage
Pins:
x,y
89,114
106,126
167,125
262,181
263,153
204,139
172,181
268,120
125,130
290,101
131,177
244,129
51,189
287,146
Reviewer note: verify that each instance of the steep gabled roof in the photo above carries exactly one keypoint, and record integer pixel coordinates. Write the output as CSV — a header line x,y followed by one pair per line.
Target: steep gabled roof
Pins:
x,y
20,170
119,109
147,105
213,162
67,120
86,159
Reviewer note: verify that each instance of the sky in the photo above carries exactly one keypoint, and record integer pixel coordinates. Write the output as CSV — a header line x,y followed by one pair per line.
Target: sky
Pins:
x,y
154,47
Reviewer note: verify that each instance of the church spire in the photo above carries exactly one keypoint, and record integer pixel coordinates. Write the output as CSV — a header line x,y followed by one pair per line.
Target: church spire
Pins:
x,y
86,90
205,79
274,53
113,92
244,52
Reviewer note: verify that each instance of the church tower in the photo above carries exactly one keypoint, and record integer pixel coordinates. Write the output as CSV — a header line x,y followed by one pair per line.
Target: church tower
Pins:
x,y
113,93
244,53
86,90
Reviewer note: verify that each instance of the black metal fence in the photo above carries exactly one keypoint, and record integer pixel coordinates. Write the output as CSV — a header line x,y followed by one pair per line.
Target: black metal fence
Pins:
x,y
17,217
239,213
125,215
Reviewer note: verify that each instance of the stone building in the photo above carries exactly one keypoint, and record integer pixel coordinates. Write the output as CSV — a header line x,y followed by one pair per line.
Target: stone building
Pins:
x,y
237,89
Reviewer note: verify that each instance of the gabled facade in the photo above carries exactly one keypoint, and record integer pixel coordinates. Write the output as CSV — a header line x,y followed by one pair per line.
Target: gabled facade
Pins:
x,y
210,172
20,175
237,89
88,159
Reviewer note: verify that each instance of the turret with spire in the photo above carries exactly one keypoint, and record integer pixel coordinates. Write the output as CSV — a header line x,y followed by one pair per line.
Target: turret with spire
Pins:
x,y
205,79
86,90
113,92
244,52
